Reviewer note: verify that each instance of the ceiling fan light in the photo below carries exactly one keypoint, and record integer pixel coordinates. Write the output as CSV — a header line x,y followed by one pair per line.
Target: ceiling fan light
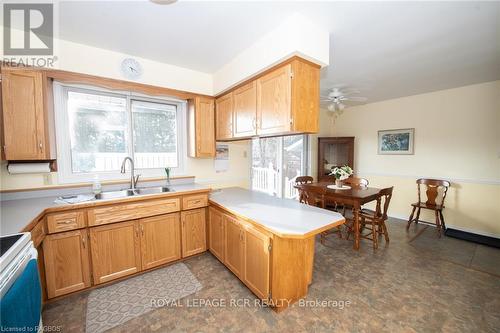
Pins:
x,y
163,2
331,107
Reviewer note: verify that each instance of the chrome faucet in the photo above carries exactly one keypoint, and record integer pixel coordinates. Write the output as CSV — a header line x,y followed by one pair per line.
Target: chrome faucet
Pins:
x,y
133,178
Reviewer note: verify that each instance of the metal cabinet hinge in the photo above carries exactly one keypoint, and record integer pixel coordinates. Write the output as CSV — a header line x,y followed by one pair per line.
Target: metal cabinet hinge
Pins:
x,y
270,247
291,74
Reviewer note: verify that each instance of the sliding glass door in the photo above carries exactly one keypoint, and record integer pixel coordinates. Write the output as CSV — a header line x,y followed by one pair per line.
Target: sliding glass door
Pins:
x,y
276,162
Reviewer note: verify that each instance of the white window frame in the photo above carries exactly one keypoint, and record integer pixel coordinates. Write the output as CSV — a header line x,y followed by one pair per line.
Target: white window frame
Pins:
x,y
64,165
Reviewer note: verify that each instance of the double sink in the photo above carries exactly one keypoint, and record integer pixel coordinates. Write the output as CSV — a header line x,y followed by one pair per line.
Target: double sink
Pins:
x,y
132,192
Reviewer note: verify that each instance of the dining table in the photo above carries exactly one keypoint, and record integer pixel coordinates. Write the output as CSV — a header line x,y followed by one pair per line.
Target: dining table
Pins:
x,y
352,196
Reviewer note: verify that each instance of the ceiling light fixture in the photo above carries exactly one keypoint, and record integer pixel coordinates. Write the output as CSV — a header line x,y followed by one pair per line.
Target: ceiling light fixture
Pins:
x,y
163,2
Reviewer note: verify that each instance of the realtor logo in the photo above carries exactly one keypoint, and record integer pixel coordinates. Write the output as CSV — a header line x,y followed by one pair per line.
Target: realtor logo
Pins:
x,y
28,29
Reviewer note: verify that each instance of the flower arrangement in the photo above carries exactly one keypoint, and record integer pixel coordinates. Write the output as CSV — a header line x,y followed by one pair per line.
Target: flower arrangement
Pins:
x,y
341,173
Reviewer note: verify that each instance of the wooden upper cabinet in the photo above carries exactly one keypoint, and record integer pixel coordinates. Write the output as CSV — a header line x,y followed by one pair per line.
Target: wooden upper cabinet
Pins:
x,y
194,238
274,102
257,262
216,233
224,117
67,265
160,240
115,251
201,117
235,246
283,100
245,110
28,124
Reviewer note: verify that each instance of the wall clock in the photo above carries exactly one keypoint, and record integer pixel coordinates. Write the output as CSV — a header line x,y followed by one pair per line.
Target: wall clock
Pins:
x,y
131,68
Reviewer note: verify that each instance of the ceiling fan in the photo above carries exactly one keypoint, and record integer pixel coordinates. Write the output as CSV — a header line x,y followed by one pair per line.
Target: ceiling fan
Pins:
x,y
339,98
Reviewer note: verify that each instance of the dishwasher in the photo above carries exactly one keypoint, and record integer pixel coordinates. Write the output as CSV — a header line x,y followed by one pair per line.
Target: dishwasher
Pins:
x,y
20,291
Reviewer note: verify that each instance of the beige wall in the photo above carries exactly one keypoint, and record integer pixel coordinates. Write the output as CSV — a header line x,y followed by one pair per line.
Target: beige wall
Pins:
x,y
457,137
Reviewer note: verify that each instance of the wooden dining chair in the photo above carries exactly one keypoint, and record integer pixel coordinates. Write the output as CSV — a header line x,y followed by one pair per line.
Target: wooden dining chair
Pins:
x,y
315,199
353,182
301,180
374,221
435,192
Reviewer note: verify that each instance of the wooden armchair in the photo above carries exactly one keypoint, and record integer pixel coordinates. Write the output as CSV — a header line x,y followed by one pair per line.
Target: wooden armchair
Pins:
x,y
435,193
375,220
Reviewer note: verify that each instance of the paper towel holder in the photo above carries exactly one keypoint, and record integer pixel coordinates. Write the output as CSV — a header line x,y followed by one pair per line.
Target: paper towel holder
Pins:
x,y
52,163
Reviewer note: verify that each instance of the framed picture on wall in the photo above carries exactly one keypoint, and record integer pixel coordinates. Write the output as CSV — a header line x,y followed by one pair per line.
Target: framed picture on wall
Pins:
x,y
396,142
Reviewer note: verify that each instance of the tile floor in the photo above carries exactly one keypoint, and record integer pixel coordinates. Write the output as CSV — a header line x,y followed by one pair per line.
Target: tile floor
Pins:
x,y
414,284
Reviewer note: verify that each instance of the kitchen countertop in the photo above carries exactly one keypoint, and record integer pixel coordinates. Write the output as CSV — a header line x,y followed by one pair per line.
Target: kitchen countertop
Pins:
x,y
16,215
283,217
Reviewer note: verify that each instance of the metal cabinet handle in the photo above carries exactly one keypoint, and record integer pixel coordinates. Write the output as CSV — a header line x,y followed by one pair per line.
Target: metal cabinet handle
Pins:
x,y
40,145
64,222
83,242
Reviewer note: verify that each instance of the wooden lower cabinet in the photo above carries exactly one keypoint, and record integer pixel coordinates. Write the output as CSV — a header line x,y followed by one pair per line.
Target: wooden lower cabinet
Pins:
x,y
194,238
216,232
115,251
160,240
66,259
257,264
234,246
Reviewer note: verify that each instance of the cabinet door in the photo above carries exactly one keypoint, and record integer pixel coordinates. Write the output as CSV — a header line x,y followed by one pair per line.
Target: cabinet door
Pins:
x,y
245,110
205,127
224,117
234,246
194,238
115,251
66,258
160,240
201,127
257,256
274,102
216,233
23,115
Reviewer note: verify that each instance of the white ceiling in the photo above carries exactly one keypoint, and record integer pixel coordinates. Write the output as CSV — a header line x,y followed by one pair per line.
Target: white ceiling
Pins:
x,y
386,49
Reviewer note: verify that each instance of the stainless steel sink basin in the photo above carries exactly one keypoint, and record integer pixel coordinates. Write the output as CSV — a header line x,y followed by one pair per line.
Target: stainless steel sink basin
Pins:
x,y
130,193
115,194
153,190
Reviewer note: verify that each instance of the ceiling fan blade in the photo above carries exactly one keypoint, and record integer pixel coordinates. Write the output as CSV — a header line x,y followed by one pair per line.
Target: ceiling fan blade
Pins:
x,y
355,99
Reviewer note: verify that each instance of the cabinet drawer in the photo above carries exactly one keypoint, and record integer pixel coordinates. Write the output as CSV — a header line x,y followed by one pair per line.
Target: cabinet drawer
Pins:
x,y
65,221
194,201
132,211
38,233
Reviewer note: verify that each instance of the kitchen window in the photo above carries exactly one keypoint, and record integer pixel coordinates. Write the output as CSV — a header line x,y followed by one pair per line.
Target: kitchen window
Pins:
x,y
277,162
96,129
